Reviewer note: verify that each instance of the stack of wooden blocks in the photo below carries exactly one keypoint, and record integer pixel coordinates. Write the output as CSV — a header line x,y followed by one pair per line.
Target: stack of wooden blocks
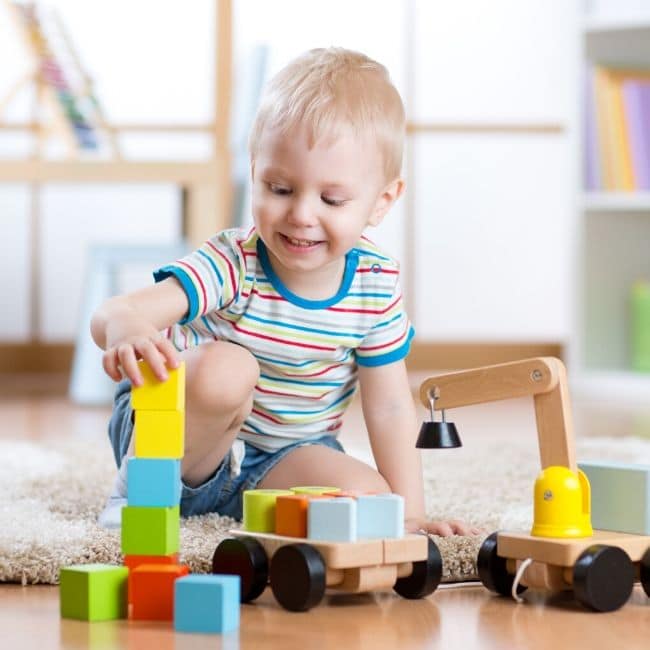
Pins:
x,y
324,513
152,584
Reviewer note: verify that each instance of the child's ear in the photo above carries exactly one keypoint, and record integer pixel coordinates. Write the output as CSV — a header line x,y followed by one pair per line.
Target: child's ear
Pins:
x,y
388,196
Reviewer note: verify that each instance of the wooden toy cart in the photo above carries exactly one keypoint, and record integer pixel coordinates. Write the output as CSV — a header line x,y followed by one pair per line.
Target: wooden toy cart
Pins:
x,y
602,568
300,570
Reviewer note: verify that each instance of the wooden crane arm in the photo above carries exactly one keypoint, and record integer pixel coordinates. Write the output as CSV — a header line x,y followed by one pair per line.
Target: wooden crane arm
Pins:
x,y
543,378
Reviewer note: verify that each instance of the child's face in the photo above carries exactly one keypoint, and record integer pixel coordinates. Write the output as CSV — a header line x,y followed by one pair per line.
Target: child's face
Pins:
x,y
310,206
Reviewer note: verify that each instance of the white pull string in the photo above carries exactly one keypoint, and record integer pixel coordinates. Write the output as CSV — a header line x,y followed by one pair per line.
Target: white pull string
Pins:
x,y
520,572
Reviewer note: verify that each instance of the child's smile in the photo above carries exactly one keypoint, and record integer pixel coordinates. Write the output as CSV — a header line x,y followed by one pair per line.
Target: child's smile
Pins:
x,y
299,245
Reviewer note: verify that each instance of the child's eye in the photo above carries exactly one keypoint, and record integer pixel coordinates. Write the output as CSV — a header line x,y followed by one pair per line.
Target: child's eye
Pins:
x,y
278,189
332,202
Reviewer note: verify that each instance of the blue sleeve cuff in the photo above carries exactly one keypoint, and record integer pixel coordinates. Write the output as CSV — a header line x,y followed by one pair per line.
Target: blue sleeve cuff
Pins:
x,y
188,287
390,357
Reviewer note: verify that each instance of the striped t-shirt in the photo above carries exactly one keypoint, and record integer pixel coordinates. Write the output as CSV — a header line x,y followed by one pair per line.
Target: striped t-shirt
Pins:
x,y
308,350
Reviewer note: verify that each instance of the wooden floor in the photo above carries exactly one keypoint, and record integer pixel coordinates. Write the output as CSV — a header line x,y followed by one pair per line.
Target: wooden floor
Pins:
x,y
456,616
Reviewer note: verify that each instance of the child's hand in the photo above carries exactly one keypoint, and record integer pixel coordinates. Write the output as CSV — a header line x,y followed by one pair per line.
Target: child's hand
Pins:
x,y
121,360
441,528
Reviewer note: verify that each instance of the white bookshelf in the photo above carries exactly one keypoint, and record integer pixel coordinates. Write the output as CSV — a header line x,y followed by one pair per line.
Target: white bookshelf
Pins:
x,y
607,27
614,236
616,202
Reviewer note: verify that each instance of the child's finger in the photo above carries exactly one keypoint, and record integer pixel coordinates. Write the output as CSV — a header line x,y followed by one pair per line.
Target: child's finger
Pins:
x,y
167,349
110,365
152,356
460,527
441,528
129,363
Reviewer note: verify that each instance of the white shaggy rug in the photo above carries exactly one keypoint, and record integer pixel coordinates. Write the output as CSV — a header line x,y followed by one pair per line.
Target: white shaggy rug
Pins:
x,y
51,495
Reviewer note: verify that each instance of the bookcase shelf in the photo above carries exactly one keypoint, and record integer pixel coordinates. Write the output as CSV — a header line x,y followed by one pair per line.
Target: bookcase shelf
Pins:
x,y
616,201
603,26
614,234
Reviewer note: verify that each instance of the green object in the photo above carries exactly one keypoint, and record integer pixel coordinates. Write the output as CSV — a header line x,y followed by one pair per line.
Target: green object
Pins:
x,y
314,489
94,592
640,325
259,509
620,496
150,531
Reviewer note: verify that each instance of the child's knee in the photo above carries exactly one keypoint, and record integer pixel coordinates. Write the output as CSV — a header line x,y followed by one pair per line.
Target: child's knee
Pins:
x,y
221,377
378,484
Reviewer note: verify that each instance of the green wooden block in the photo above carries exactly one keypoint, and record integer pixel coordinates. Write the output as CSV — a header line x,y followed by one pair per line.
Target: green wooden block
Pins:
x,y
259,509
150,531
93,592
620,496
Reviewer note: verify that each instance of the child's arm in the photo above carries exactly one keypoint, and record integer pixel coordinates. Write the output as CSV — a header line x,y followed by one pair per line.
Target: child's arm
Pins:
x,y
128,328
390,417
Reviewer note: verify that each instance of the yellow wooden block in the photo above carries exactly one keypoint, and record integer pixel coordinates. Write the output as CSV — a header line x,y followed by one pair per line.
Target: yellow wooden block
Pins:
x,y
159,395
159,434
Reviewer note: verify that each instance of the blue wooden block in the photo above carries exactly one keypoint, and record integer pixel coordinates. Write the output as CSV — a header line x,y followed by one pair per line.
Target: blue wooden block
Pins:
x,y
380,516
207,603
620,496
333,520
153,482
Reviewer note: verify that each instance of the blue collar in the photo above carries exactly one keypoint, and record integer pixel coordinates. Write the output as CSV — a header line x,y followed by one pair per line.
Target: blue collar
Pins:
x,y
351,262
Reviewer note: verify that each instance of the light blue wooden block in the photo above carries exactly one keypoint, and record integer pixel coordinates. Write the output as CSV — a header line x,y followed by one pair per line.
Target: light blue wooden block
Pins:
x,y
380,516
620,496
207,603
333,520
153,482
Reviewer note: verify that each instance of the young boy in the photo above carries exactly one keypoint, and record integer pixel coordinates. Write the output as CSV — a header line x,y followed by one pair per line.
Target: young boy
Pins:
x,y
277,323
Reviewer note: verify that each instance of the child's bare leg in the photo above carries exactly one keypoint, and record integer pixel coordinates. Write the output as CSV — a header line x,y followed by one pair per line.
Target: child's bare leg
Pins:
x,y
220,379
320,465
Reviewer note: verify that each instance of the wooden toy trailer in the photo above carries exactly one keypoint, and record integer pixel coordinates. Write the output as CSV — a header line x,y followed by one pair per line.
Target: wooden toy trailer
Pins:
x,y
300,570
601,568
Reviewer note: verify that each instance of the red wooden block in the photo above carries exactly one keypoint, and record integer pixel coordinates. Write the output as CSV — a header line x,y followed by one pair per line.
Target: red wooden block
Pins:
x,y
152,588
133,561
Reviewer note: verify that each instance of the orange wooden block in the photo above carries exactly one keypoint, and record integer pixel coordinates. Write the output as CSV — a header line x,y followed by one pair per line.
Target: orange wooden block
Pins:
x,y
152,588
133,561
291,514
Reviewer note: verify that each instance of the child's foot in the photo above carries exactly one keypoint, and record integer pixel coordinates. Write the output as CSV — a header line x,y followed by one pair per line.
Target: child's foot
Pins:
x,y
111,515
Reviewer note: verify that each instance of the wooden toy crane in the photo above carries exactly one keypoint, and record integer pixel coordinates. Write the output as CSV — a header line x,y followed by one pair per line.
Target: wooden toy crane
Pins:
x,y
561,551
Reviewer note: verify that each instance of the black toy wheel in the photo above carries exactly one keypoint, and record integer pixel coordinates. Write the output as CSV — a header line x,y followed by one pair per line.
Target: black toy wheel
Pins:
x,y
603,578
492,569
244,557
298,577
425,576
644,572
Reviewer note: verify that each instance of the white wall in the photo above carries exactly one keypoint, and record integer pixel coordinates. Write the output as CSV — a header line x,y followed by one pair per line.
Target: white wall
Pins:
x,y
493,227
495,221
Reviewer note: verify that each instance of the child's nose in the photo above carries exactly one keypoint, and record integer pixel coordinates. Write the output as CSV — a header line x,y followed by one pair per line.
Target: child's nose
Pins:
x,y
302,212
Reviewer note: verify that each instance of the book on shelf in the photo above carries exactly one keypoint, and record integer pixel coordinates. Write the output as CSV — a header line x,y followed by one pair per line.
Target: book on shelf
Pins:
x,y
617,129
636,98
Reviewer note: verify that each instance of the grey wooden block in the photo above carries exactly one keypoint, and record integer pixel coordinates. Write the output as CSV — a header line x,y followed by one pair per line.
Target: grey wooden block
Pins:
x,y
620,496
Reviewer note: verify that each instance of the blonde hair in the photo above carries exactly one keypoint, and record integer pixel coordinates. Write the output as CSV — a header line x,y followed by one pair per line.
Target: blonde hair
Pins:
x,y
326,90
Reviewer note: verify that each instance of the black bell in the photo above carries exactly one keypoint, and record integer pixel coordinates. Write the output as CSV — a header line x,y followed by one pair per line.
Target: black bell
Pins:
x,y
438,435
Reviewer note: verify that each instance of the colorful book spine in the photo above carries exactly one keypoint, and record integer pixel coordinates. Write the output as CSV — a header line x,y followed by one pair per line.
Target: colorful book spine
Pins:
x,y
617,129
623,172
604,128
637,131
592,171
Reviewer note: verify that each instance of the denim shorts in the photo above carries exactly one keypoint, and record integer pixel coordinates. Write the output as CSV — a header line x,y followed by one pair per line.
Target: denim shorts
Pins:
x,y
222,492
